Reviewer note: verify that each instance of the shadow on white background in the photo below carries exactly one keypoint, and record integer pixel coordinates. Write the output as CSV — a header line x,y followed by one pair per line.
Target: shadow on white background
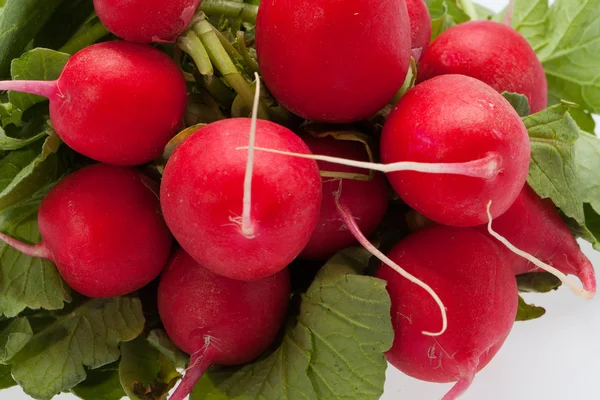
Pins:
x,y
556,357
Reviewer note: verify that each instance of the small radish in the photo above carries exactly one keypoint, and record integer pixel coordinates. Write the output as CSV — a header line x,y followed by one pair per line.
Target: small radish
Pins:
x,y
218,320
534,225
241,215
331,60
480,294
103,229
491,52
451,145
420,27
366,199
146,20
115,102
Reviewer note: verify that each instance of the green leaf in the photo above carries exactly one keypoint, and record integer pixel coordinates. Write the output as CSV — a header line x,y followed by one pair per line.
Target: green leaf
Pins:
x,y
101,384
23,172
53,361
145,373
27,282
8,143
20,21
553,171
584,119
519,103
566,38
529,19
161,342
13,337
334,351
537,282
483,12
444,14
37,64
528,312
6,380
587,150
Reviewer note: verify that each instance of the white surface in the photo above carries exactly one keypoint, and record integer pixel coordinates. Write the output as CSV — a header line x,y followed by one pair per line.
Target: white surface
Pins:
x,y
554,358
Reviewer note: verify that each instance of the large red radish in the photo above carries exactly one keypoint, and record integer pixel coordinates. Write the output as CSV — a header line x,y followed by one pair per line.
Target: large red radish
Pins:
x,y
218,320
480,294
116,102
331,60
103,229
467,126
241,234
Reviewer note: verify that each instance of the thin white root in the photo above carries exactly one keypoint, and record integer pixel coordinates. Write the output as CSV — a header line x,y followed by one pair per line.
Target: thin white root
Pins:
x,y
570,283
353,228
485,168
247,228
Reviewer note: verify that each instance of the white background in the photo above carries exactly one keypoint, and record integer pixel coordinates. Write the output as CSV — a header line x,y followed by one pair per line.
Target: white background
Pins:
x,y
554,358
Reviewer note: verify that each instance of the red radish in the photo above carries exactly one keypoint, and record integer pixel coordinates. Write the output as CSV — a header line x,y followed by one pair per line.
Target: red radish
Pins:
x,y
534,225
480,294
462,122
103,229
331,60
367,200
491,52
420,27
146,20
115,102
207,208
218,320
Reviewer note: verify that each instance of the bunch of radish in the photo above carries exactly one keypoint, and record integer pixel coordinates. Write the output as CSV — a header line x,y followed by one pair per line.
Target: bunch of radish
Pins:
x,y
244,197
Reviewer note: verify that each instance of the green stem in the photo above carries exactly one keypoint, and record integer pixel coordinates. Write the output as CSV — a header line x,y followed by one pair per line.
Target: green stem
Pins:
x,y
231,9
85,38
241,41
469,8
191,44
231,51
225,65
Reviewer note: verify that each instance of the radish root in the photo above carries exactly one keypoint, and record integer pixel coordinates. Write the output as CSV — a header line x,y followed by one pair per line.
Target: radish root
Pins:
x,y
247,228
37,250
570,283
353,228
199,363
485,168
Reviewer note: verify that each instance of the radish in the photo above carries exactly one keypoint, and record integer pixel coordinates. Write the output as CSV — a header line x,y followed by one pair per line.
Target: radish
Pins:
x,y
240,215
218,320
474,142
331,60
491,52
534,225
115,102
480,294
366,199
146,20
420,27
103,229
